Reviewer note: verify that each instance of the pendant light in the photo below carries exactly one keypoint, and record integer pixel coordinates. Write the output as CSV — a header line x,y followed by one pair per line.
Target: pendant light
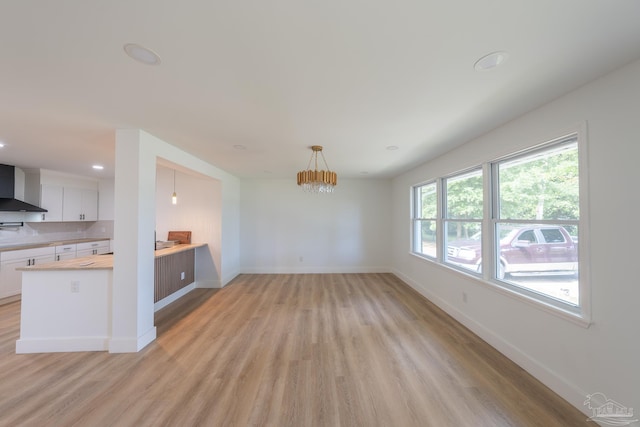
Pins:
x,y
174,196
317,181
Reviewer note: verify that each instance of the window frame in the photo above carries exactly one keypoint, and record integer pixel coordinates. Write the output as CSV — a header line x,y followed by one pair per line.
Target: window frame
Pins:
x,y
416,205
496,221
445,219
579,314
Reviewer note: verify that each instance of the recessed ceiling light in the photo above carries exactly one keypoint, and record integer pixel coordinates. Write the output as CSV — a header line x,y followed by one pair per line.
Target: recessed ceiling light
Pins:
x,y
490,61
392,147
98,167
1,144
142,54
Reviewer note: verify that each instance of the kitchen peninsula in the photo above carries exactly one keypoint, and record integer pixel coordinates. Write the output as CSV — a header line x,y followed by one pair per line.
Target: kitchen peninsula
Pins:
x,y
66,305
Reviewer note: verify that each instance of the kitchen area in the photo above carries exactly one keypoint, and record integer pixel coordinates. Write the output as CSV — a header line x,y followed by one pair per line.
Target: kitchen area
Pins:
x,y
60,263
33,229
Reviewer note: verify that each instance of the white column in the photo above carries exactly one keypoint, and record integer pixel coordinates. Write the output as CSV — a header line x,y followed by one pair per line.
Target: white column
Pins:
x,y
132,325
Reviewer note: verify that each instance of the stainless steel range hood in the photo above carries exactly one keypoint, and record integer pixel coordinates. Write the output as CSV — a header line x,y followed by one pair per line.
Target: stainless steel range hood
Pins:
x,y
8,201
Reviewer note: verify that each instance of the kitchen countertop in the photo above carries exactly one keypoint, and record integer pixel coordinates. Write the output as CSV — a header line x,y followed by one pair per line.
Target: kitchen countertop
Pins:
x,y
101,262
15,247
178,248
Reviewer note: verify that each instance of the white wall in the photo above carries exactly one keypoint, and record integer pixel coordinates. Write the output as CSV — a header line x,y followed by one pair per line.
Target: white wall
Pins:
x,y
572,360
67,180
105,199
198,210
347,231
75,321
137,153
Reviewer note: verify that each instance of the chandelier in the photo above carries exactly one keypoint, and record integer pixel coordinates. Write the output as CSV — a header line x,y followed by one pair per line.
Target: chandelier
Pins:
x,y
317,181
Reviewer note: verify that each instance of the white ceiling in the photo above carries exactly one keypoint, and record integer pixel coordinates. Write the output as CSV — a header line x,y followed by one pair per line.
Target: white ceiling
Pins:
x,y
279,76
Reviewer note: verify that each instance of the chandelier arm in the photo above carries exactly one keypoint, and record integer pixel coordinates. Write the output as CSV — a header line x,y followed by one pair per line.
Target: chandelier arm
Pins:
x,y
324,160
310,160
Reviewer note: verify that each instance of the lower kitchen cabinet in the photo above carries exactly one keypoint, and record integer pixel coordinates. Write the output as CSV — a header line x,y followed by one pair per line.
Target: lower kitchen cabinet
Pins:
x,y
92,248
10,279
65,252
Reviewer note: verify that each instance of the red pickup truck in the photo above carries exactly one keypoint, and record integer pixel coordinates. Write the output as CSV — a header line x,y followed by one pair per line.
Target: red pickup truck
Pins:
x,y
529,250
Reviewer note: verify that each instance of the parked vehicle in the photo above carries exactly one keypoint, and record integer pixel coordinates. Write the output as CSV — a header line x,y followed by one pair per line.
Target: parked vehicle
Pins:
x,y
529,250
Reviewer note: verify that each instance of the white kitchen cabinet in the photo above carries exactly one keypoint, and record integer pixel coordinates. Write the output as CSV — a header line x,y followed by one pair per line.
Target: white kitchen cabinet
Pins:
x,y
79,204
51,197
65,252
66,197
92,248
67,203
10,279
90,205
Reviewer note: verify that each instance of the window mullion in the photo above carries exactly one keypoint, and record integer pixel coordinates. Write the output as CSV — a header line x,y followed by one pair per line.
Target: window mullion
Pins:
x,y
439,220
488,224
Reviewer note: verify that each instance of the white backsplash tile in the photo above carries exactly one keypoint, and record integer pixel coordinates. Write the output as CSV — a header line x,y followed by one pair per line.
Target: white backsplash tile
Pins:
x,y
43,232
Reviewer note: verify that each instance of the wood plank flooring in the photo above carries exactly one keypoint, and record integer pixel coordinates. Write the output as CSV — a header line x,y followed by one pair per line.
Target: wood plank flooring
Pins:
x,y
283,350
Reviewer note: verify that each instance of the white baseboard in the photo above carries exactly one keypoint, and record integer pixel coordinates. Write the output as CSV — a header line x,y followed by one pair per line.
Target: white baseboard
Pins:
x,y
547,376
10,299
315,270
228,278
56,345
173,297
132,345
208,284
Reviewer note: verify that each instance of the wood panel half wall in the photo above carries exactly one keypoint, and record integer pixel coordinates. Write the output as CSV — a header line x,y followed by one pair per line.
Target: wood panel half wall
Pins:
x,y
173,272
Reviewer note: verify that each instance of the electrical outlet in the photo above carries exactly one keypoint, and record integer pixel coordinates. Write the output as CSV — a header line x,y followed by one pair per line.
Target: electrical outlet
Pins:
x,y
75,286
464,297
182,276
301,259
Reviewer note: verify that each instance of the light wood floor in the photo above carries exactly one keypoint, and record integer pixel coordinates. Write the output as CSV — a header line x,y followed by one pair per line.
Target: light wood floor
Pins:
x,y
283,350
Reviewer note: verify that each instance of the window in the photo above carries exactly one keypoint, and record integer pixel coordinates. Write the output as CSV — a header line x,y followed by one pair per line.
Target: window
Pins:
x,y
524,210
425,215
463,220
537,218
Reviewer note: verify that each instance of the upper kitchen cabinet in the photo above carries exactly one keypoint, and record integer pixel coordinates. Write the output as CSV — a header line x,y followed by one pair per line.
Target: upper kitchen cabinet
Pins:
x,y
66,197
51,197
79,204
